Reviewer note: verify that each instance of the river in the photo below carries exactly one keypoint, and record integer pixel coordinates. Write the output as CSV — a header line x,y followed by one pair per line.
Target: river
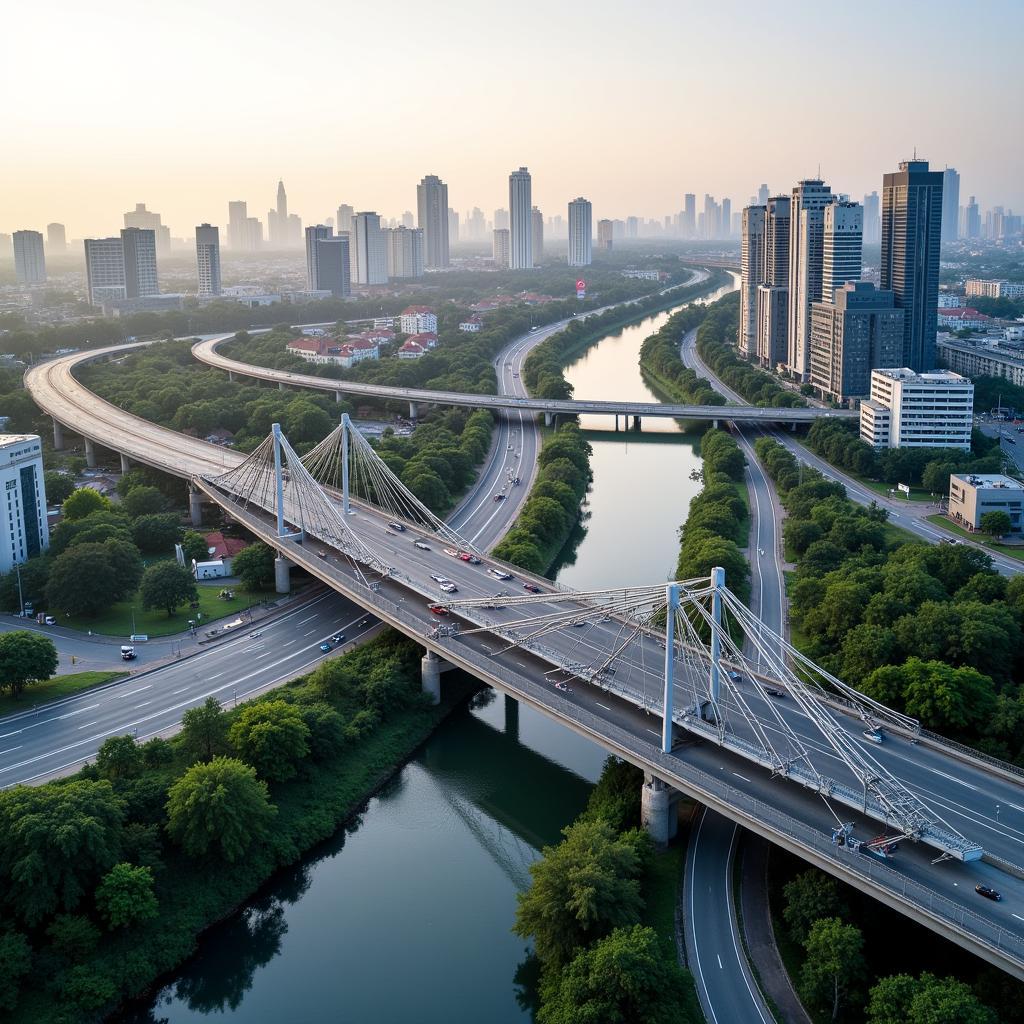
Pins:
x,y
405,916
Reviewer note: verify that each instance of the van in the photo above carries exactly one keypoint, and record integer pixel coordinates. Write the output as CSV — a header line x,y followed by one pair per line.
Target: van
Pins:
x,y
127,652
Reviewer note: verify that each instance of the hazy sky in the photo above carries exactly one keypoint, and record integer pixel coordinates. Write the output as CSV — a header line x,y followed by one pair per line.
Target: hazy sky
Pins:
x,y
186,105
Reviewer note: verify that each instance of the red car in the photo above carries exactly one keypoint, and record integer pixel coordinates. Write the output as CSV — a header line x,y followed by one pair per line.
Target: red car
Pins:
x,y
438,609
532,588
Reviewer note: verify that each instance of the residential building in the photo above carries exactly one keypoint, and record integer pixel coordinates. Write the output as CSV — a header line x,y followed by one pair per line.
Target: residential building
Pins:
x,y
605,234
806,239
950,205
859,330
911,233
208,259
581,236
476,225
140,276
501,249
239,234
56,239
254,233
313,235
29,258
948,300
689,216
418,320
772,302
471,325
918,410
752,260
411,349
971,495
21,472
985,360
432,213
962,318
104,270
872,219
520,204
537,236
726,230
146,220
371,264
500,220
971,217
405,252
346,214
332,352
976,287
334,265
843,228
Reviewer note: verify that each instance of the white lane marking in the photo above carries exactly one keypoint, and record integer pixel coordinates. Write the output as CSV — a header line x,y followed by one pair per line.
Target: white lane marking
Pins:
x,y
175,692
1019,918
654,732
310,633
600,705
144,704
217,676
9,750
302,622
87,726
743,777
4,735
131,693
258,647
71,714
720,967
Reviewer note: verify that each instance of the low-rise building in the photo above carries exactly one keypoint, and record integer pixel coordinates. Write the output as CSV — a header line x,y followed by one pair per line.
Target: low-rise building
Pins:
x,y
411,349
947,300
471,324
971,495
331,352
418,319
427,340
925,410
989,289
985,360
963,318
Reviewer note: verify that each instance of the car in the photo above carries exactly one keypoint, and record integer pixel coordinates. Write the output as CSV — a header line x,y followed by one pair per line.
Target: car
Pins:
x,y
437,609
734,676
338,638
579,624
988,892
321,554
419,544
50,620
500,573
453,552
437,577
875,734
325,646
465,556
773,692
472,559
449,588
1009,440
510,447
532,588
397,527
499,497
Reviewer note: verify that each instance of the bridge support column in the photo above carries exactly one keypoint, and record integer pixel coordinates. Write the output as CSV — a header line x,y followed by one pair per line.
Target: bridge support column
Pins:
x,y
616,423
430,676
512,718
282,574
125,463
195,507
231,375
714,424
280,385
793,426
636,423
657,815
414,410
337,396
549,419
90,454
58,436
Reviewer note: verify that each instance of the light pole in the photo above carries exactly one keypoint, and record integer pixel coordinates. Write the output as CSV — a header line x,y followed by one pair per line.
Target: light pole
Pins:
x,y
997,813
21,597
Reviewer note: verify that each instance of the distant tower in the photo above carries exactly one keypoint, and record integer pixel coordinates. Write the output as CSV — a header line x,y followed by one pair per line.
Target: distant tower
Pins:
x,y
371,260
872,219
762,195
605,234
580,233
277,220
501,247
140,275
537,235
313,235
950,205
690,215
208,259
520,204
29,258
56,239
432,218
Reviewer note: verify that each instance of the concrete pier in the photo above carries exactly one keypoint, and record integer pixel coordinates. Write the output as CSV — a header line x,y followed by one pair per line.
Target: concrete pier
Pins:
x,y
195,507
430,676
58,437
280,385
657,812
337,396
90,454
549,419
511,718
282,575
125,463
414,410
636,423
231,375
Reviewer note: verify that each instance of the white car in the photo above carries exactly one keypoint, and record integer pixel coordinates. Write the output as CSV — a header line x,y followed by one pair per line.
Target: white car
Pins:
x,y
448,587
500,574
437,578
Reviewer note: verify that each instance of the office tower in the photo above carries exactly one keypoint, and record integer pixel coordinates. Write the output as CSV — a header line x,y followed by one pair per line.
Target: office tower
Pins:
x,y
806,229
520,205
918,410
406,248
104,270
632,227
537,236
950,205
408,220
605,234
313,235
29,259
690,215
453,227
56,239
334,265
432,211
146,220
24,531
911,236
476,225
254,233
500,220
208,259
841,247
752,259
762,195
139,248
972,219
346,214
371,260
856,332
580,233
277,221
772,311
726,218
501,247
238,226
872,219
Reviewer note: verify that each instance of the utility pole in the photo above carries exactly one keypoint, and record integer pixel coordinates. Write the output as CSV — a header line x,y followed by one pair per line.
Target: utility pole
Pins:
x,y
21,596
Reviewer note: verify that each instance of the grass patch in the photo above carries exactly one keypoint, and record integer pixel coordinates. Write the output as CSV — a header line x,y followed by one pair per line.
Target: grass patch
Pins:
x,y
55,688
117,620
1011,551
916,493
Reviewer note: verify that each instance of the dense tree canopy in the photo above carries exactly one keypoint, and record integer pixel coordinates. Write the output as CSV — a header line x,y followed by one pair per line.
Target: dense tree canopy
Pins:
x,y
272,737
167,585
25,657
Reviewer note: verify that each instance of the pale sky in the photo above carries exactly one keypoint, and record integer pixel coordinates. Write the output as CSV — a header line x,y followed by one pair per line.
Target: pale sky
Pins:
x,y
189,104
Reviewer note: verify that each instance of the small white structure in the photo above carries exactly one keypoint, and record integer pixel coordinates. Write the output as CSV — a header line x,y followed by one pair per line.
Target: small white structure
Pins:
x,y
418,319
209,570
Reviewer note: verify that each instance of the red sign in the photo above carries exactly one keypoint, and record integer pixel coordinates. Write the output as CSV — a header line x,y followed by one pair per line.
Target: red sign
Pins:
x,y
581,285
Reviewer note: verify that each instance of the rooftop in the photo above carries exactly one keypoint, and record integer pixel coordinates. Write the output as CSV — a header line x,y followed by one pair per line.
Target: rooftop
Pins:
x,y
6,440
908,376
996,480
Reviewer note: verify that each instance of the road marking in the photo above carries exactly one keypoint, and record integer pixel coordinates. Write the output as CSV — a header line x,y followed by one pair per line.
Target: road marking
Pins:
x,y
4,735
9,749
71,714
310,633
302,622
720,967
217,676
249,650
653,731
743,777
145,703
182,690
80,727
132,693
605,706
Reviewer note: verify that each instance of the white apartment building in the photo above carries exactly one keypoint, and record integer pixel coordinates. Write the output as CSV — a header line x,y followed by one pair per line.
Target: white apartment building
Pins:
x,y
371,261
978,287
418,320
405,248
918,410
581,242
21,473
501,247
520,204
841,247
29,257
752,260
104,270
208,259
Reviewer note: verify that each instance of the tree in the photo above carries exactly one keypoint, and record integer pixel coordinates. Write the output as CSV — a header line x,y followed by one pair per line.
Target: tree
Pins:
x,y
159,531
82,580
125,895
119,757
83,502
810,896
995,524
25,658
59,487
834,962
254,566
582,889
204,730
143,500
167,585
902,999
73,936
272,737
16,958
621,979
220,805
194,547
126,564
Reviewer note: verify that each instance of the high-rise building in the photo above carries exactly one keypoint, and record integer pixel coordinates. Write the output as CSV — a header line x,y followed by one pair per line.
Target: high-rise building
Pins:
x,y
453,227
580,233
345,216
689,215
24,532
500,220
240,236
841,246
806,232
29,257
432,211
146,220
208,259
858,331
911,238
501,247
726,231
140,276
632,227
277,221
334,265
972,219
752,261
406,249
408,219
773,296
313,235
476,225
520,205
56,239
254,233
605,234
872,219
950,205
104,270
537,236
762,195
371,259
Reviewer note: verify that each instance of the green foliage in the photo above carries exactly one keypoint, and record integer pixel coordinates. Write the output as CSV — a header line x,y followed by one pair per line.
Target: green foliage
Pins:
x,y
125,895
194,546
25,658
82,580
902,999
810,896
254,566
59,487
721,455
83,502
15,963
204,731
660,360
158,531
143,500
221,807
834,963
995,524
272,737
167,585
616,797
119,758
73,937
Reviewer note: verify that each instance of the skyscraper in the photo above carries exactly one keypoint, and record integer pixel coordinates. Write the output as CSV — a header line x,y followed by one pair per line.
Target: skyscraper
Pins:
x,y
872,219
56,239
950,205
773,294
145,219
501,247
345,216
104,270
277,220
139,248
334,265
208,259
371,260
806,230
500,219
238,226
690,215
972,219
405,252
476,225
762,195
432,218
313,234
29,258
841,247
726,231
580,233
537,236
911,238
752,260
453,227
520,205
605,234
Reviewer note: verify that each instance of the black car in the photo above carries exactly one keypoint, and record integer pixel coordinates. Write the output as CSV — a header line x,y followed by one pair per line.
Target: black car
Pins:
x,y
532,588
772,692
397,527
988,892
